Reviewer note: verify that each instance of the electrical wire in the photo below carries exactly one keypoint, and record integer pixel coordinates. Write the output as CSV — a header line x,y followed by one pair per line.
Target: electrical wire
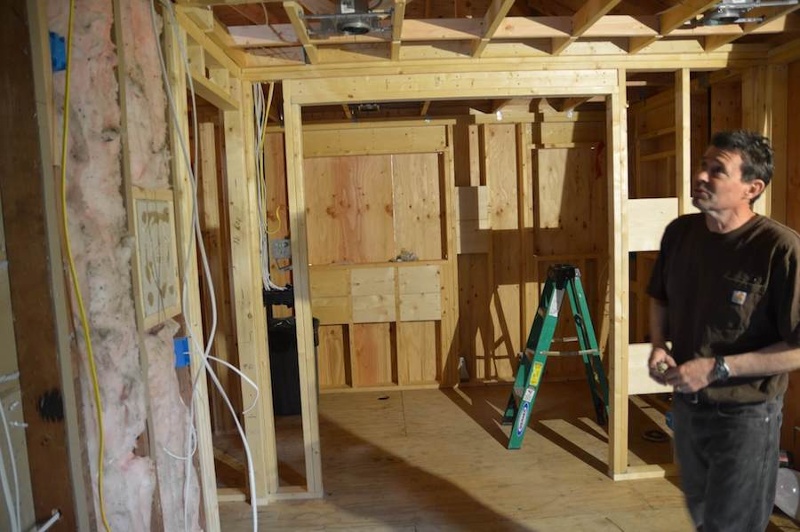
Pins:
x,y
12,503
74,275
206,269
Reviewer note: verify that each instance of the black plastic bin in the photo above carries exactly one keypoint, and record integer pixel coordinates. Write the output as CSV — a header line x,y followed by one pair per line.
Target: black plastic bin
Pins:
x,y
284,366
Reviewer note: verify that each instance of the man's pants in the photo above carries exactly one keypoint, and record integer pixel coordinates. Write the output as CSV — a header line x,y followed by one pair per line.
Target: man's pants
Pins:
x,y
728,457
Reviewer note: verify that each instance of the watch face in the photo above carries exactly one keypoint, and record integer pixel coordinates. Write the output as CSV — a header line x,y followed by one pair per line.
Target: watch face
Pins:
x,y
720,369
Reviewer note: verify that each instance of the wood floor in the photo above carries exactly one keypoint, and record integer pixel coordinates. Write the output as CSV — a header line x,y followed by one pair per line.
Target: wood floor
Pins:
x,y
436,460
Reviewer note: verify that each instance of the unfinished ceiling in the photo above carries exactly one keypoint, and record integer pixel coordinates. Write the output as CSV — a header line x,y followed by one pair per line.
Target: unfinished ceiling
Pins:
x,y
281,39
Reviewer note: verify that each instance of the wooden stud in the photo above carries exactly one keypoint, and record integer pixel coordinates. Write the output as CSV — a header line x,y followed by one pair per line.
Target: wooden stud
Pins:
x,y
616,161
398,17
214,53
185,232
778,93
448,326
755,117
683,141
37,293
249,313
299,245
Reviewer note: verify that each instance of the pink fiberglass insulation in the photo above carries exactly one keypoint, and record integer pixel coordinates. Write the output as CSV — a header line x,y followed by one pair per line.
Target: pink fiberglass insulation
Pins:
x,y
147,114
102,249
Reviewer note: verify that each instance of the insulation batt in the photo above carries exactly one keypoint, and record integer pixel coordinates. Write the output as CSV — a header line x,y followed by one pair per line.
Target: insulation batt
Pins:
x,y
102,249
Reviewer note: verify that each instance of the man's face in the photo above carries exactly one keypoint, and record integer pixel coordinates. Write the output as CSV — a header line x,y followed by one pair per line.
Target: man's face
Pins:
x,y
718,186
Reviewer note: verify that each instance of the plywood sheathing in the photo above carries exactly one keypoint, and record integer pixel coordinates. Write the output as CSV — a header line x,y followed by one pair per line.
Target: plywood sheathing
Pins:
x,y
132,370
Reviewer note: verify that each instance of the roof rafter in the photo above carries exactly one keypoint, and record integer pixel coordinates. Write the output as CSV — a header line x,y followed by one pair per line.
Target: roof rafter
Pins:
x,y
491,21
672,19
585,18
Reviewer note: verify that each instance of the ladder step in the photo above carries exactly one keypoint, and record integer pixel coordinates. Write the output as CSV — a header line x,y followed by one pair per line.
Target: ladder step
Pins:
x,y
531,352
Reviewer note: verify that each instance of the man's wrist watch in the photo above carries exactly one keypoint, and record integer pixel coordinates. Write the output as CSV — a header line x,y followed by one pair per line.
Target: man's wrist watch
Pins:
x,y
721,371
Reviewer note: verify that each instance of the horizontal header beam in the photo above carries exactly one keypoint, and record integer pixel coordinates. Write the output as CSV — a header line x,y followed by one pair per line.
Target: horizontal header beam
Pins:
x,y
450,86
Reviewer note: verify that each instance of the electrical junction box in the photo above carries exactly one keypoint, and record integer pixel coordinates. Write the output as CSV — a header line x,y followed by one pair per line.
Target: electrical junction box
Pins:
x,y
281,248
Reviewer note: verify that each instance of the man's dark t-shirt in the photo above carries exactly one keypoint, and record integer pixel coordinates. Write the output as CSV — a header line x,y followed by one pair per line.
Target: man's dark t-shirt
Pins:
x,y
728,294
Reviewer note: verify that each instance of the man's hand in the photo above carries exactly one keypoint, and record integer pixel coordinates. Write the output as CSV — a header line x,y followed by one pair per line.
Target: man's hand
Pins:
x,y
690,376
660,361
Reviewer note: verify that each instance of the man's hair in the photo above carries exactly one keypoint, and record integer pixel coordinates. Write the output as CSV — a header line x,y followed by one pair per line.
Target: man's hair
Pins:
x,y
754,149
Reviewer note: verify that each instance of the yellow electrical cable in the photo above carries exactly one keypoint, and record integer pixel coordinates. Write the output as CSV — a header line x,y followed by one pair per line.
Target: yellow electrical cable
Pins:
x,y
278,216
74,275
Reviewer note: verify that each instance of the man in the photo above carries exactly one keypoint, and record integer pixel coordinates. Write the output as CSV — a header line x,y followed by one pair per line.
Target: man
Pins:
x,y
725,291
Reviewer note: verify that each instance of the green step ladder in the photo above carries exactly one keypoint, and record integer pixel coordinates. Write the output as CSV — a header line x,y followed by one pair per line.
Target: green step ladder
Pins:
x,y
560,278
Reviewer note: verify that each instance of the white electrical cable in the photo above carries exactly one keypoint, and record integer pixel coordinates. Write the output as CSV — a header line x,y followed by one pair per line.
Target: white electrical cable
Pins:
x,y
12,502
50,522
8,377
206,269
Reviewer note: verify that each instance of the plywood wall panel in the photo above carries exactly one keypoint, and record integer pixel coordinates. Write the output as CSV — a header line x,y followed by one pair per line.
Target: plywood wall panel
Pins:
x,y
373,141
417,204
373,294
505,308
373,354
349,209
418,352
332,356
501,175
475,330
420,293
726,106
570,201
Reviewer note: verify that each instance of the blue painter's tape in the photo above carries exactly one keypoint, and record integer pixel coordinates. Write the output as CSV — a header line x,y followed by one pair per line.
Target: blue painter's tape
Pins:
x,y
181,352
58,52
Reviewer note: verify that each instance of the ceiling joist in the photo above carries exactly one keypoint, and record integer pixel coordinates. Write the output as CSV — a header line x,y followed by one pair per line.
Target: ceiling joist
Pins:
x,y
671,20
491,21
586,17
295,14
768,14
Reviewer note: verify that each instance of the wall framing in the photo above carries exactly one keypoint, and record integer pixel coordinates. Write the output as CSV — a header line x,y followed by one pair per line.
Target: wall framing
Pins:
x,y
609,83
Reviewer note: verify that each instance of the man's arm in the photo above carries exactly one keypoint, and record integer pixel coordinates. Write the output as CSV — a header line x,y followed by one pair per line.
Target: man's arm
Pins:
x,y
660,358
658,323
771,360
696,374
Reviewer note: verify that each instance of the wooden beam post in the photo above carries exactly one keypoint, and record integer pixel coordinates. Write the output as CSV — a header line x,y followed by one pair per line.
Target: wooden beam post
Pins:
x,y
778,92
617,161
302,292
184,225
756,117
246,281
38,298
683,140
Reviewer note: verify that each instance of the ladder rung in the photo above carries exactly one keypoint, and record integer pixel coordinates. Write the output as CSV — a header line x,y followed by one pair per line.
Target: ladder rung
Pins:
x,y
531,352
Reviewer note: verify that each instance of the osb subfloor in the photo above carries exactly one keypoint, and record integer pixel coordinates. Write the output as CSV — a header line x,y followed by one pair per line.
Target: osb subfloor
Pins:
x,y
437,460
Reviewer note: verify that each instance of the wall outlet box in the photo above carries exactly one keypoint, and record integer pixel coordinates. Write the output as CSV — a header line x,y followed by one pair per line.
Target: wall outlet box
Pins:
x,y
281,248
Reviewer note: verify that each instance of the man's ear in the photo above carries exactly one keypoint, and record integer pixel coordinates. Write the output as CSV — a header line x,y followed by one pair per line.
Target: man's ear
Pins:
x,y
755,188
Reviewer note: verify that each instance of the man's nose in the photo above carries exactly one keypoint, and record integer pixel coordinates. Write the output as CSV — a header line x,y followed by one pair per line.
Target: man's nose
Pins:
x,y
701,176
